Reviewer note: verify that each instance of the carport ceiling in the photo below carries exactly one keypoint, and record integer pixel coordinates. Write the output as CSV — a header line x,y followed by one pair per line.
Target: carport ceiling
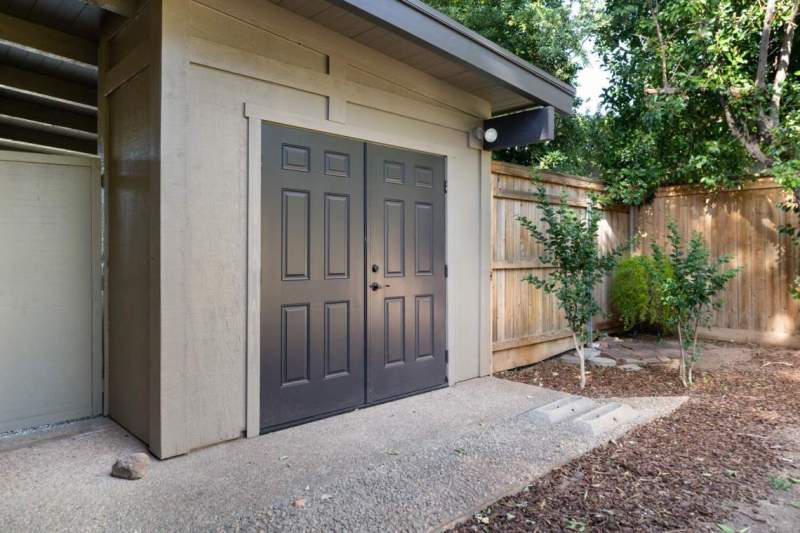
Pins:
x,y
48,73
418,35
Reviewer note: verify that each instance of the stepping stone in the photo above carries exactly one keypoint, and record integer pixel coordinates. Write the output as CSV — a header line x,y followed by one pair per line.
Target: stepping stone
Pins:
x,y
630,367
563,409
604,418
571,359
602,361
591,353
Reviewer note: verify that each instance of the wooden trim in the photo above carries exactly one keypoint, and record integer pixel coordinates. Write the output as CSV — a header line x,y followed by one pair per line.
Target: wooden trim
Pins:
x,y
486,214
234,61
278,116
98,378
519,265
127,68
688,190
533,339
31,37
253,350
547,176
272,18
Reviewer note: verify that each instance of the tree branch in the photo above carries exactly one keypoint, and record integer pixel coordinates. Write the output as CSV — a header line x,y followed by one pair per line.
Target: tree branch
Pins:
x,y
763,48
665,84
742,136
783,66
763,57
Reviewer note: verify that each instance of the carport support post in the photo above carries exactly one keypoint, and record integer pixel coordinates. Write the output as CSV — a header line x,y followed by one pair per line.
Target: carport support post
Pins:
x,y
169,426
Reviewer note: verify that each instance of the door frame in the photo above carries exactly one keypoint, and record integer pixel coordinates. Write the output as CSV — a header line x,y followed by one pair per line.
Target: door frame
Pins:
x,y
255,115
98,356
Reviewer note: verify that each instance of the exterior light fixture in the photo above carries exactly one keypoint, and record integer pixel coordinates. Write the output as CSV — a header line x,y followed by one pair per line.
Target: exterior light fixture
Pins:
x,y
489,134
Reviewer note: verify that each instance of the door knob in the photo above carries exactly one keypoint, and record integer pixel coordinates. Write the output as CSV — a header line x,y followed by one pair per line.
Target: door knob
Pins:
x,y
374,285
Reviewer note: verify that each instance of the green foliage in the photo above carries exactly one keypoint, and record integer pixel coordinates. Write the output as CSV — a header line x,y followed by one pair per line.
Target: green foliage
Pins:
x,y
676,66
570,245
783,483
690,295
636,292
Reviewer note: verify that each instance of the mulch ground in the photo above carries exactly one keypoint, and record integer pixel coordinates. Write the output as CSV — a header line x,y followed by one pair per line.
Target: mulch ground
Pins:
x,y
685,472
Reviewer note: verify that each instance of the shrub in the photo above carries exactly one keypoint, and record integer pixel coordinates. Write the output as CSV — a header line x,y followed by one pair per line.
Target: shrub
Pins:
x,y
569,240
636,293
691,295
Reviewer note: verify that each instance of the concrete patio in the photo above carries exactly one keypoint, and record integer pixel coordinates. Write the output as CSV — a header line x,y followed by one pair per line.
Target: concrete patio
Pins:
x,y
412,465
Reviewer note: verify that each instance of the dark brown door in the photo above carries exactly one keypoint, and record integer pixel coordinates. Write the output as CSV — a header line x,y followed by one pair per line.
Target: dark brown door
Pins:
x,y
406,277
312,284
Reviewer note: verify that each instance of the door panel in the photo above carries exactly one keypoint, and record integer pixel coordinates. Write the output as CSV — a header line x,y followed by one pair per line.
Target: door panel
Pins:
x,y
406,243
312,256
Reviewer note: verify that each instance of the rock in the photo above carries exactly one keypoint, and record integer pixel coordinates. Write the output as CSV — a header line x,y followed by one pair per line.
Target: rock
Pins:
x,y
630,367
602,361
133,466
591,353
633,361
571,359
299,502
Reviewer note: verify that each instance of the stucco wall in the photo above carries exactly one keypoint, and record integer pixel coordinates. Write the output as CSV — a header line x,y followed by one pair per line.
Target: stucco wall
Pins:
x,y
237,54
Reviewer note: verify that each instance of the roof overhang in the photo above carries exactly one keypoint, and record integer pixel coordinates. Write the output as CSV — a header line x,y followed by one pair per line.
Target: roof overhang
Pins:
x,y
431,29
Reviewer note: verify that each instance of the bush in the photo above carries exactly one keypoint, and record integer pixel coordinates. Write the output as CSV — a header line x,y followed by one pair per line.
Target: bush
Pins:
x,y
636,293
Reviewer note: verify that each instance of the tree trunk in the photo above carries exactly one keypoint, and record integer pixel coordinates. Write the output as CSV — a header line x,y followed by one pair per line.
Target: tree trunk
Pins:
x,y
579,350
682,371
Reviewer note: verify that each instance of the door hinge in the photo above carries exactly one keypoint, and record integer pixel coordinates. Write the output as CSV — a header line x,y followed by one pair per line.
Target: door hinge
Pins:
x,y
446,272
447,356
445,186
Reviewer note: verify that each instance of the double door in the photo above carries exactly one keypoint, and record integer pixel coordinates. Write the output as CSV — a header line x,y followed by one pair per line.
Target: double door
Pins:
x,y
353,274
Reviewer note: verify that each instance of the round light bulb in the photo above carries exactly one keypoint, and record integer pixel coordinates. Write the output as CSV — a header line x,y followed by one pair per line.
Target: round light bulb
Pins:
x,y
490,135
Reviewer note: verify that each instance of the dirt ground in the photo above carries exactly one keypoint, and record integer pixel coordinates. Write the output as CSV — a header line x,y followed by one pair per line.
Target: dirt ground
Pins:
x,y
729,458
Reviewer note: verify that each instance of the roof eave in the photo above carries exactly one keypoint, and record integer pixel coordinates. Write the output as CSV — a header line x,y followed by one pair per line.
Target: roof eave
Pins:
x,y
431,28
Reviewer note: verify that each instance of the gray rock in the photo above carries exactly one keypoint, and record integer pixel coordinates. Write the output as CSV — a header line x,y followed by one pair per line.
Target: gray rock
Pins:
x,y
631,367
591,353
571,359
602,361
132,466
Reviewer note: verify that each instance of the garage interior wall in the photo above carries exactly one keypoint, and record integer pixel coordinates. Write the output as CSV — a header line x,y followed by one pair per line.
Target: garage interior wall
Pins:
x,y
128,94
260,56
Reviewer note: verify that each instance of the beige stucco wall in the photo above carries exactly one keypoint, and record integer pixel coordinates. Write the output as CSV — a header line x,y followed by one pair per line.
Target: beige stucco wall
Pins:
x,y
226,63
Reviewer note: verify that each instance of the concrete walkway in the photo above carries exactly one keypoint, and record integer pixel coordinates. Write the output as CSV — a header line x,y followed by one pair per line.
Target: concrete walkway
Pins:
x,y
410,465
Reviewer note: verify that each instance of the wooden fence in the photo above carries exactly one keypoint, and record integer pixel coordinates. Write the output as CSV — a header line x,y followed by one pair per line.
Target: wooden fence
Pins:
x,y
757,305
527,325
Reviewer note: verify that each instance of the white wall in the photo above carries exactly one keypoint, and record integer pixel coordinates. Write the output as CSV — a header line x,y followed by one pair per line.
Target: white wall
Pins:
x,y
281,67
49,289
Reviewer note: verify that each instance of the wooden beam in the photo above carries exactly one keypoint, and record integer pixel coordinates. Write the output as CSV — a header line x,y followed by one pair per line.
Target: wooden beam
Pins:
x,y
48,88
25,35
126,8
34,139
52,119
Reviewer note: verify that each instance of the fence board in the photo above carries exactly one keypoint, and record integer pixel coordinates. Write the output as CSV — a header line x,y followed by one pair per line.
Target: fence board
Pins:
x,y
744,223
527,325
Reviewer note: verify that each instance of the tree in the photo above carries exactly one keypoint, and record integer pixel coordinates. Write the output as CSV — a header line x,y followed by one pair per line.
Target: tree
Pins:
x,y
569,239
691,293
701,92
